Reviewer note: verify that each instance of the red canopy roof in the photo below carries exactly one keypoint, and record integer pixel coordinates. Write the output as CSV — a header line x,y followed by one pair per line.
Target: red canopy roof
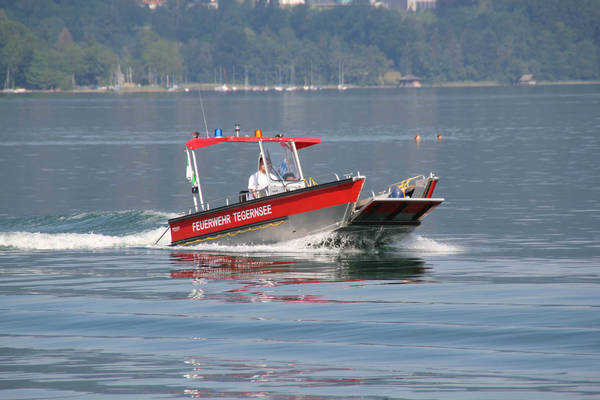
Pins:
x,y
194,144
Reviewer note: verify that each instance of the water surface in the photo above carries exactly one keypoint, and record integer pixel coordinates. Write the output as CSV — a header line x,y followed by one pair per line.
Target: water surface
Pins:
x,y
495,296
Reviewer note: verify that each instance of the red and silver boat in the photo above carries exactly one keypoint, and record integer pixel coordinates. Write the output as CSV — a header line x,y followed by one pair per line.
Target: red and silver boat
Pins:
x,y
294,206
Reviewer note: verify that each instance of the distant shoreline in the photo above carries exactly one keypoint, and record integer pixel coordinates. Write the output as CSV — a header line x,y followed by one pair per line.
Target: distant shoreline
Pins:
x,y
192,87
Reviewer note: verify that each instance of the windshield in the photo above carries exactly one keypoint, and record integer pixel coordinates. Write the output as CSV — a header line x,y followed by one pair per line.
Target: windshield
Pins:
x,y
281,161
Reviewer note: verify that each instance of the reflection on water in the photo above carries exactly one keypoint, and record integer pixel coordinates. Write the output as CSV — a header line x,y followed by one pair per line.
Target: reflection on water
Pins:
x,y
239,374
381,266
283,279
331,267
254,274
221,266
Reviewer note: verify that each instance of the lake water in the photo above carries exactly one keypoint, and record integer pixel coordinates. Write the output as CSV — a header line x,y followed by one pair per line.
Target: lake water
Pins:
x,y
495,296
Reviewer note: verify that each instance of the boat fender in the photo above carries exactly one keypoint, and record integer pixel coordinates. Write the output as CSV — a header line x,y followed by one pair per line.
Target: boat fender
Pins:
x,y
397,193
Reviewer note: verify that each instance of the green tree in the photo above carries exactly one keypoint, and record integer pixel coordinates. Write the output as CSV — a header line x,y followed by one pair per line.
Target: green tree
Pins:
x,y
16,50
44,71
231,47
98,61
163,61
461,40
73,63
197,57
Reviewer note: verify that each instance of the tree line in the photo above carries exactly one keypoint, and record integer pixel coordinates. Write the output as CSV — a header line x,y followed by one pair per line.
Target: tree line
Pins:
x,y
69,43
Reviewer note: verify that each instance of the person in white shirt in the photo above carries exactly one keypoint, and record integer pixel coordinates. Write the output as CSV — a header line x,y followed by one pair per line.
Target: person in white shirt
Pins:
x,y
258,180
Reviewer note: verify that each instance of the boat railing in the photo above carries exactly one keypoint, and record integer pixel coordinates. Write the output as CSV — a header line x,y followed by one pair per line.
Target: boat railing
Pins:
x,y
405,184
241,196
221,201
404,189
414,187
313,181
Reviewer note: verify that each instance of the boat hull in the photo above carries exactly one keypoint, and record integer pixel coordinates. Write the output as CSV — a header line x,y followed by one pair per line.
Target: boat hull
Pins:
x,y
271,219
367,236
383,220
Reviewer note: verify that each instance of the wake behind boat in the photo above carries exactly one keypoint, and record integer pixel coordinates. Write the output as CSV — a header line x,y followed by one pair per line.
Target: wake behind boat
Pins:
x,y
290,205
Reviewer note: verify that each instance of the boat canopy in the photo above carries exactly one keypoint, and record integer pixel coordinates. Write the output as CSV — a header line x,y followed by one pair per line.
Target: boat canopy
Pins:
x,y
199,143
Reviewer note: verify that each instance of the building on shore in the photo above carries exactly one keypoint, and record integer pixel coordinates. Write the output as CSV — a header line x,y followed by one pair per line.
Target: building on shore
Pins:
x,y
527,80
409,81
410,5
291,3
323,3
153,4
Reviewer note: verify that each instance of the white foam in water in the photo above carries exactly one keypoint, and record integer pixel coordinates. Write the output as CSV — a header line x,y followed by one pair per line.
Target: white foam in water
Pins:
x,y
323,243
95,241
292,247
78,241
425,245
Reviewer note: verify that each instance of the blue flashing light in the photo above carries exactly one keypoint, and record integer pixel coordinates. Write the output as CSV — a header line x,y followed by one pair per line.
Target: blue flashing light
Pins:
x,y
218,132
